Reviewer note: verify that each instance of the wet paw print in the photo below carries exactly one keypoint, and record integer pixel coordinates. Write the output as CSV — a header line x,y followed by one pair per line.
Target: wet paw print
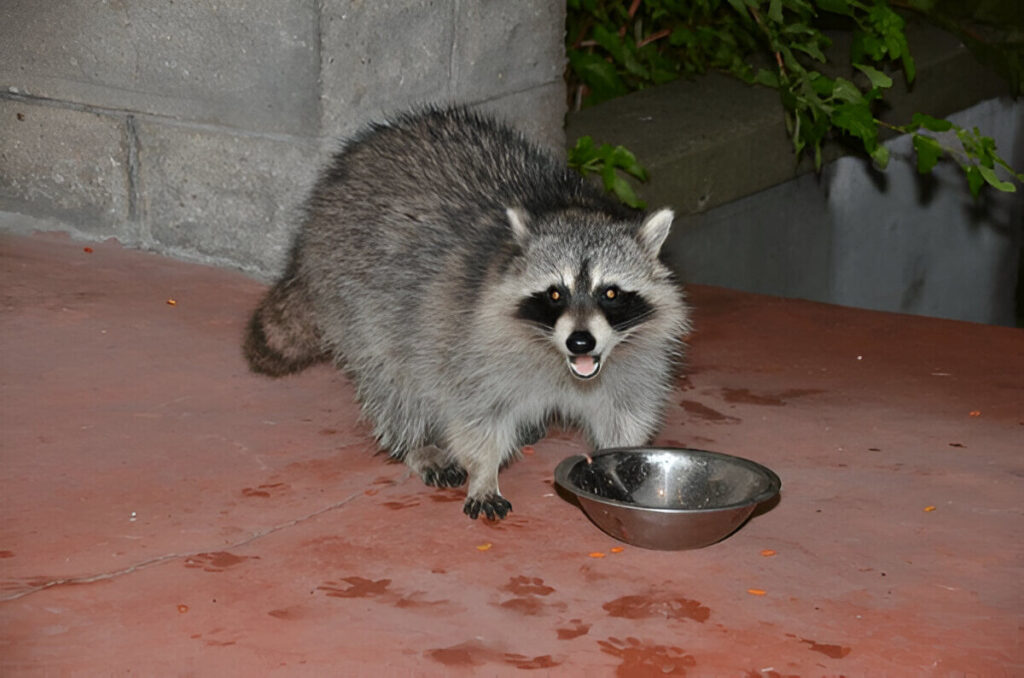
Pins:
x,y
447,495
519,661
217,561
401,503
264,491
575,629
357,587
657,605
529,592
380,590
528,586
511,522
642,659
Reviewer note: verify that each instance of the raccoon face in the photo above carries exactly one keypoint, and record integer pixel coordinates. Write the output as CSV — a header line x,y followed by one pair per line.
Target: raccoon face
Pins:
x,y
588,285
585,321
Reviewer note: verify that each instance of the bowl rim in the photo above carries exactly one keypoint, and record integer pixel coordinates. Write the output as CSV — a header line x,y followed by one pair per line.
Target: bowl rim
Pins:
x,y
566,465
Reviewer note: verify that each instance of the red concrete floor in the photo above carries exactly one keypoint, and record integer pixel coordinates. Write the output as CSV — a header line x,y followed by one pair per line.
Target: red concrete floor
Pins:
x,y
167,513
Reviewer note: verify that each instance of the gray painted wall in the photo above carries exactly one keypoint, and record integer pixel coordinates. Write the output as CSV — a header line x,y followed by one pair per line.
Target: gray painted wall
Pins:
x,y
195,128
892,241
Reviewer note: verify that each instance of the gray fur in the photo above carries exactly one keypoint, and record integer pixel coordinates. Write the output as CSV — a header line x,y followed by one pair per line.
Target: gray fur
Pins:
x,y
420,241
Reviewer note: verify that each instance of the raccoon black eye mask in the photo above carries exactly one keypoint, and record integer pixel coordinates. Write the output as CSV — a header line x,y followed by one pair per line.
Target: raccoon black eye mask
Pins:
x,y
622,310
444,237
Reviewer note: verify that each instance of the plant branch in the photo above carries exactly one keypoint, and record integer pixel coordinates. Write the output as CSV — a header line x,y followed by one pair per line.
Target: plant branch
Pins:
x,y
760,24
653,37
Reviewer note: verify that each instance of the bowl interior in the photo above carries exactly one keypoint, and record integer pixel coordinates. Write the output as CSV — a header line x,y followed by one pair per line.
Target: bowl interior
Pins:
x,y
677,479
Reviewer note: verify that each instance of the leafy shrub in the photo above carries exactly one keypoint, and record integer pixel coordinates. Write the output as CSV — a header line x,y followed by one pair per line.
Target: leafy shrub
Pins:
x,y
616,47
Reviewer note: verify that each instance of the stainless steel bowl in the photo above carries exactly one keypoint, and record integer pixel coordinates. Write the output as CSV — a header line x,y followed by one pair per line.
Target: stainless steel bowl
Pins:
x,y
667,498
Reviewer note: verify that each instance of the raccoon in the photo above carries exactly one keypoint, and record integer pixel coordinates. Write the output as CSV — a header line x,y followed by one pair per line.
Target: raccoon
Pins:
x,y
475,290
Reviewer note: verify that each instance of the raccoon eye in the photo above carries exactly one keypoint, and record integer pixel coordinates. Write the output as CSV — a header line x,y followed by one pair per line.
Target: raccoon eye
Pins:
x,y
554,294
611,293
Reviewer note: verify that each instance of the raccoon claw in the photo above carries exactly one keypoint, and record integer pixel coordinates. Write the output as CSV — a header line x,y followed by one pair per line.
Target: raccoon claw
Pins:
x,y
492,505
449,476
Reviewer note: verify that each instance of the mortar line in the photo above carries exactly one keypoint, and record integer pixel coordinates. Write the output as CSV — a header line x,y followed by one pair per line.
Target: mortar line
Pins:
x,y
156,118
453,70
70,581
321,109
132,132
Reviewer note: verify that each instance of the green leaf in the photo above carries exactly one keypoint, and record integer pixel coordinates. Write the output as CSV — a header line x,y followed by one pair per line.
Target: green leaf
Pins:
x,y
866,47
767,78
611,41
586,158
989,175
582,154
928,152
820,84
624,159
974,180
844,90
681,36
775,11
624,192
930,123
880,156
811,49
613,183
856,119
875,76
739,6
985,149
599,75
893,46
909,67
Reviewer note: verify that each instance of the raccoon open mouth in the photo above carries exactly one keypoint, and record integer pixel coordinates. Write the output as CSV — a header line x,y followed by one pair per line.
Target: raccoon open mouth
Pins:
x,y
584,366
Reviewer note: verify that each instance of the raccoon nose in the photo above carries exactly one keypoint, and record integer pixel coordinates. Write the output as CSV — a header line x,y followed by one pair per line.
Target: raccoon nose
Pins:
x,y
580,342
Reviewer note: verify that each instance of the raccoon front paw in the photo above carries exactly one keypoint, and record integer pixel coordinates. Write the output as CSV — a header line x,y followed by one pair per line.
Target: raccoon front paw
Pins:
x,y
448,476
493,505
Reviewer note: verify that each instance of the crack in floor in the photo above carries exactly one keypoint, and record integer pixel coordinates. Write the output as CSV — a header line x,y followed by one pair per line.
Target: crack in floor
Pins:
x,y
70,581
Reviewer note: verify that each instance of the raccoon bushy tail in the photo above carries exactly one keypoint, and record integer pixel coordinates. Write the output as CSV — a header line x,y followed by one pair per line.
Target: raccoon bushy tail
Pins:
x,y
282,336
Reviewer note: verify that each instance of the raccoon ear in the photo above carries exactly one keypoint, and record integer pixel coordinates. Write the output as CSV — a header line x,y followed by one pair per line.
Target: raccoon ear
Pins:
x,y
518,219
654,230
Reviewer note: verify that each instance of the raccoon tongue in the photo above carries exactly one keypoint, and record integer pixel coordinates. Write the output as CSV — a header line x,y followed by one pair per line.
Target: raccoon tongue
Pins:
x,y
584,366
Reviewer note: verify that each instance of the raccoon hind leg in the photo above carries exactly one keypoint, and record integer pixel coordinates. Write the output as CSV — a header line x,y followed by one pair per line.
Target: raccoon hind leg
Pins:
x,y
282,336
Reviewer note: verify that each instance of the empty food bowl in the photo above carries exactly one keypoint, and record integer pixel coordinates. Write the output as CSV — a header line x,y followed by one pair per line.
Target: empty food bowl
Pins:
x,y
666,498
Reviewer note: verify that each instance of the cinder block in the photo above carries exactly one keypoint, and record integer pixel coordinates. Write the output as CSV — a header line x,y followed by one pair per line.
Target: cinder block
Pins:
x,y
229,199
503,47
251,64
65,164
380,57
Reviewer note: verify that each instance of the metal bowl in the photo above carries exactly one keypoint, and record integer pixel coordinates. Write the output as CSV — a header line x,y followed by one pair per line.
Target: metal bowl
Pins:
x,y
666,498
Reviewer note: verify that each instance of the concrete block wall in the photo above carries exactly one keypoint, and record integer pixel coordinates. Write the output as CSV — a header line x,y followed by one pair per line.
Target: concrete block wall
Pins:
x,y
194,128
